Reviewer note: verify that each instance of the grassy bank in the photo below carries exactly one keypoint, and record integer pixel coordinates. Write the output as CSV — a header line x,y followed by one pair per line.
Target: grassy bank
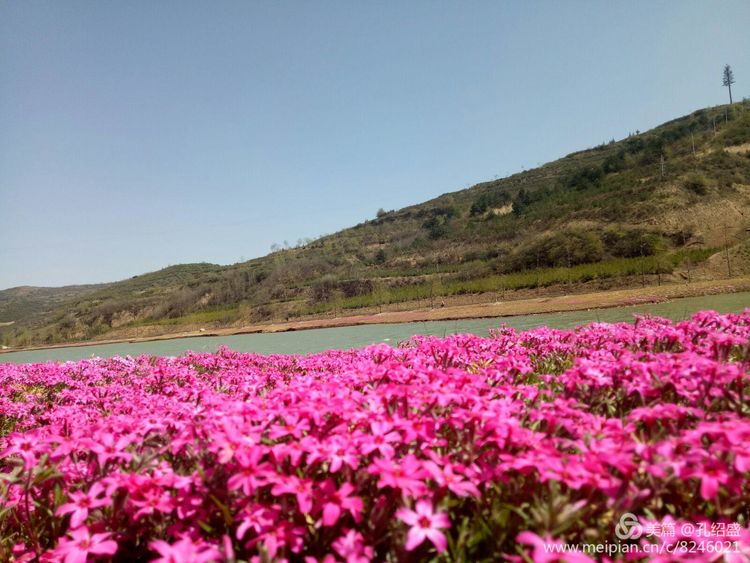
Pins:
x,y
532,279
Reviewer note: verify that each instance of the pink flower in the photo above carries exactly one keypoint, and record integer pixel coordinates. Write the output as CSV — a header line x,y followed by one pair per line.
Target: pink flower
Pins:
x,y
22,554
713,474
184,551
352,549
445,477
77,550
425,524
108,447
381,439
252,472
150,500
293,426
408,475
740,551
547,549
342,454
300,488
81,503
338,501
256,518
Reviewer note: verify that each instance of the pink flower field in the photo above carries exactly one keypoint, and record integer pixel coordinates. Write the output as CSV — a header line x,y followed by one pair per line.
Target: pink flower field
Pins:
x,y
520,446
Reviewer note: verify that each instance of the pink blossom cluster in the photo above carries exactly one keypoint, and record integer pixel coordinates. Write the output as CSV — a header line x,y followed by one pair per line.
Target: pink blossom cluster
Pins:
x,y
464,448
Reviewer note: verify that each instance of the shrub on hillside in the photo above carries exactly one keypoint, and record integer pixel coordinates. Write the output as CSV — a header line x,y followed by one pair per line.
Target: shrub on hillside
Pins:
x,y
488,201
436,228
696,183
323,288
614,163
653,149
564,248
584,178
629,243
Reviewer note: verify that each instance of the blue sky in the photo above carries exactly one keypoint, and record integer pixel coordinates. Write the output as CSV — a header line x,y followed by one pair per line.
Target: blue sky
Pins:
x,y
134,135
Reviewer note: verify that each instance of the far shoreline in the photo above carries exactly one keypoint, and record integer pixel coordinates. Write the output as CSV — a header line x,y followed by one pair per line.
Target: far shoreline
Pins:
x,y
521,307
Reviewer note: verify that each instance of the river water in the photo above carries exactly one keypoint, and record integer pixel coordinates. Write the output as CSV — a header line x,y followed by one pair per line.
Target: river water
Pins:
x,y
316,340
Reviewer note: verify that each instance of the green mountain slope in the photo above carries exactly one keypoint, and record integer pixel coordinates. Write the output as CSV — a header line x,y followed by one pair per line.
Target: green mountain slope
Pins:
x,y
25,303
671,203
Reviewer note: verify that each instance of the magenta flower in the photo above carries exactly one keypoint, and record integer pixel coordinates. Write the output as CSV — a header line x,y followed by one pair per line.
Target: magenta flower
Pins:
x,y
152,500
408,475
81,503
340,455
339,500
293,426
256,518
547,550
251,474
712,475
300,488
352,549
108,447
425,524
454,482
381,439
23,446
184,551
77,549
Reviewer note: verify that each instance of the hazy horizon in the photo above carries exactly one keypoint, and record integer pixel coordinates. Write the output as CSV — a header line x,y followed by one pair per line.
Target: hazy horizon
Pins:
x,y
138,136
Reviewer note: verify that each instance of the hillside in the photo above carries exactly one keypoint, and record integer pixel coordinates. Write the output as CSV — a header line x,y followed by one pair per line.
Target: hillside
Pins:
x,y
25,303
670,204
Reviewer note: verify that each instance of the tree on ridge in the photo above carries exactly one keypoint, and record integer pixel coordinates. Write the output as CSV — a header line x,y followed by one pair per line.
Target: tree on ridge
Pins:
x,y
728,80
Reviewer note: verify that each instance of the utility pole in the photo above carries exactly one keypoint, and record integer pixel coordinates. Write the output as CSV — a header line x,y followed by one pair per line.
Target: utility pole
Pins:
x,y
684,246
662,165
643,269
692,140
726,252
537,266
